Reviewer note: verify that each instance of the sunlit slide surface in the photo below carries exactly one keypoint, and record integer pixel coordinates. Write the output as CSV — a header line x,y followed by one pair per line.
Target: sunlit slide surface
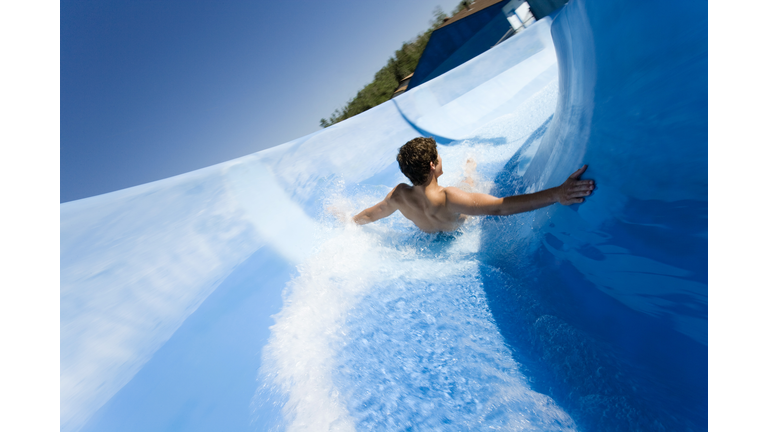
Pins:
x,y
230,299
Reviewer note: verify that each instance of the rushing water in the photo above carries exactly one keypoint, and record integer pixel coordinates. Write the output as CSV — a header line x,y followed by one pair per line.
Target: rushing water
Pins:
x,y
389,328
589,317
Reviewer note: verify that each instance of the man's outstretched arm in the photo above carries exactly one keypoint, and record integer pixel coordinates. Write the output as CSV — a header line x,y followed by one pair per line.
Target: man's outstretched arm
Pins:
x,y
572,191
381,210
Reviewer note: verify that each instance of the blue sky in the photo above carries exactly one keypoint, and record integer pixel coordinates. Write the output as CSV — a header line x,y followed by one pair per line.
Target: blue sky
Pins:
x,y
152,89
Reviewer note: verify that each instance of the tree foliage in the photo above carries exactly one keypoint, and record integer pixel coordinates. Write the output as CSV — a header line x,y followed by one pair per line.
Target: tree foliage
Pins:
x,y
463,4
386,80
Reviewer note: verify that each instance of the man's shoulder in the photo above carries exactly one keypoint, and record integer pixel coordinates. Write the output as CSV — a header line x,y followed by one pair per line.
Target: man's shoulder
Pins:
x,y
399,192
454,195
451,191
401,188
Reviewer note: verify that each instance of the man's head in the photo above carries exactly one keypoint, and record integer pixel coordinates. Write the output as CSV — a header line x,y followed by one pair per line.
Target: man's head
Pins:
x,y
417,158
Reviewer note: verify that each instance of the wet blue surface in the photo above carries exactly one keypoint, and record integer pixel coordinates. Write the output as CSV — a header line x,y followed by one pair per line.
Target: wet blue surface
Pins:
x,y
204,377
634,109
589,317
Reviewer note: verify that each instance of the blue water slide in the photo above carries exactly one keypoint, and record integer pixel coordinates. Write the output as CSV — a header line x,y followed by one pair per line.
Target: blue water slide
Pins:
x,y
619,283
230,298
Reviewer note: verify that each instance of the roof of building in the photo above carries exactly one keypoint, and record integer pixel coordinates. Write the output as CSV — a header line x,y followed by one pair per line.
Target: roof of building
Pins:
x,y
476,6
403,86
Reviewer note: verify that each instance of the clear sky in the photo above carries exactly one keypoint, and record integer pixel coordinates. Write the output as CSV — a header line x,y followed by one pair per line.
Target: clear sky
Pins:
x,y
152,89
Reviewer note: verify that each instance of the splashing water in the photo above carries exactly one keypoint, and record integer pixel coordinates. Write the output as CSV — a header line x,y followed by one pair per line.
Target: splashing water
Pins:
x,y
388,328
597,310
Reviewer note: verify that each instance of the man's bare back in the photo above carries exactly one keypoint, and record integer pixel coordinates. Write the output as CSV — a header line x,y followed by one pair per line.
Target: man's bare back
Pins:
x,y
435,208
426,208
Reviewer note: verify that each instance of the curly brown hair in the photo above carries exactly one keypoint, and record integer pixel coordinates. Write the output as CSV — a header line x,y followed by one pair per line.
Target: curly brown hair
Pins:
x,y
414,158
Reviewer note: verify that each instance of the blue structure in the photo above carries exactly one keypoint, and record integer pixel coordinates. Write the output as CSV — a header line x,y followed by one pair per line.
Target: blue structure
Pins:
x,y
229,299
460,39
542,8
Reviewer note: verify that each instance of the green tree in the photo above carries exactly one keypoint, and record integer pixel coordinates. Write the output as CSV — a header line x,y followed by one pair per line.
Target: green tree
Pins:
x,y
386,80
463,4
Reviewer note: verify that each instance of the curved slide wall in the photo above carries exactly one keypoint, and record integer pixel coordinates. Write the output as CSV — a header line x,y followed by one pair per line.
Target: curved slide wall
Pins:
x,y
228,299
619,283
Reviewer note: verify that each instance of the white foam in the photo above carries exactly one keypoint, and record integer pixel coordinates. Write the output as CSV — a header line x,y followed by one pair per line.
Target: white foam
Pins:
x,y
388,278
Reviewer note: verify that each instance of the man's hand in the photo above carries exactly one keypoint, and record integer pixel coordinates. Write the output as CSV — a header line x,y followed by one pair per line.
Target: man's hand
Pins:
x,y
573,190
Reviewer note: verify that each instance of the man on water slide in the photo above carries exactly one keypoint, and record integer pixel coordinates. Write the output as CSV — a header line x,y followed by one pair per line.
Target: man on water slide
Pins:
x,y
435,208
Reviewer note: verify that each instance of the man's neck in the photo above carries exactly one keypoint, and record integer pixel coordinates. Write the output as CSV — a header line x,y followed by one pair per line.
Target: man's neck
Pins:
x,y
430,184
